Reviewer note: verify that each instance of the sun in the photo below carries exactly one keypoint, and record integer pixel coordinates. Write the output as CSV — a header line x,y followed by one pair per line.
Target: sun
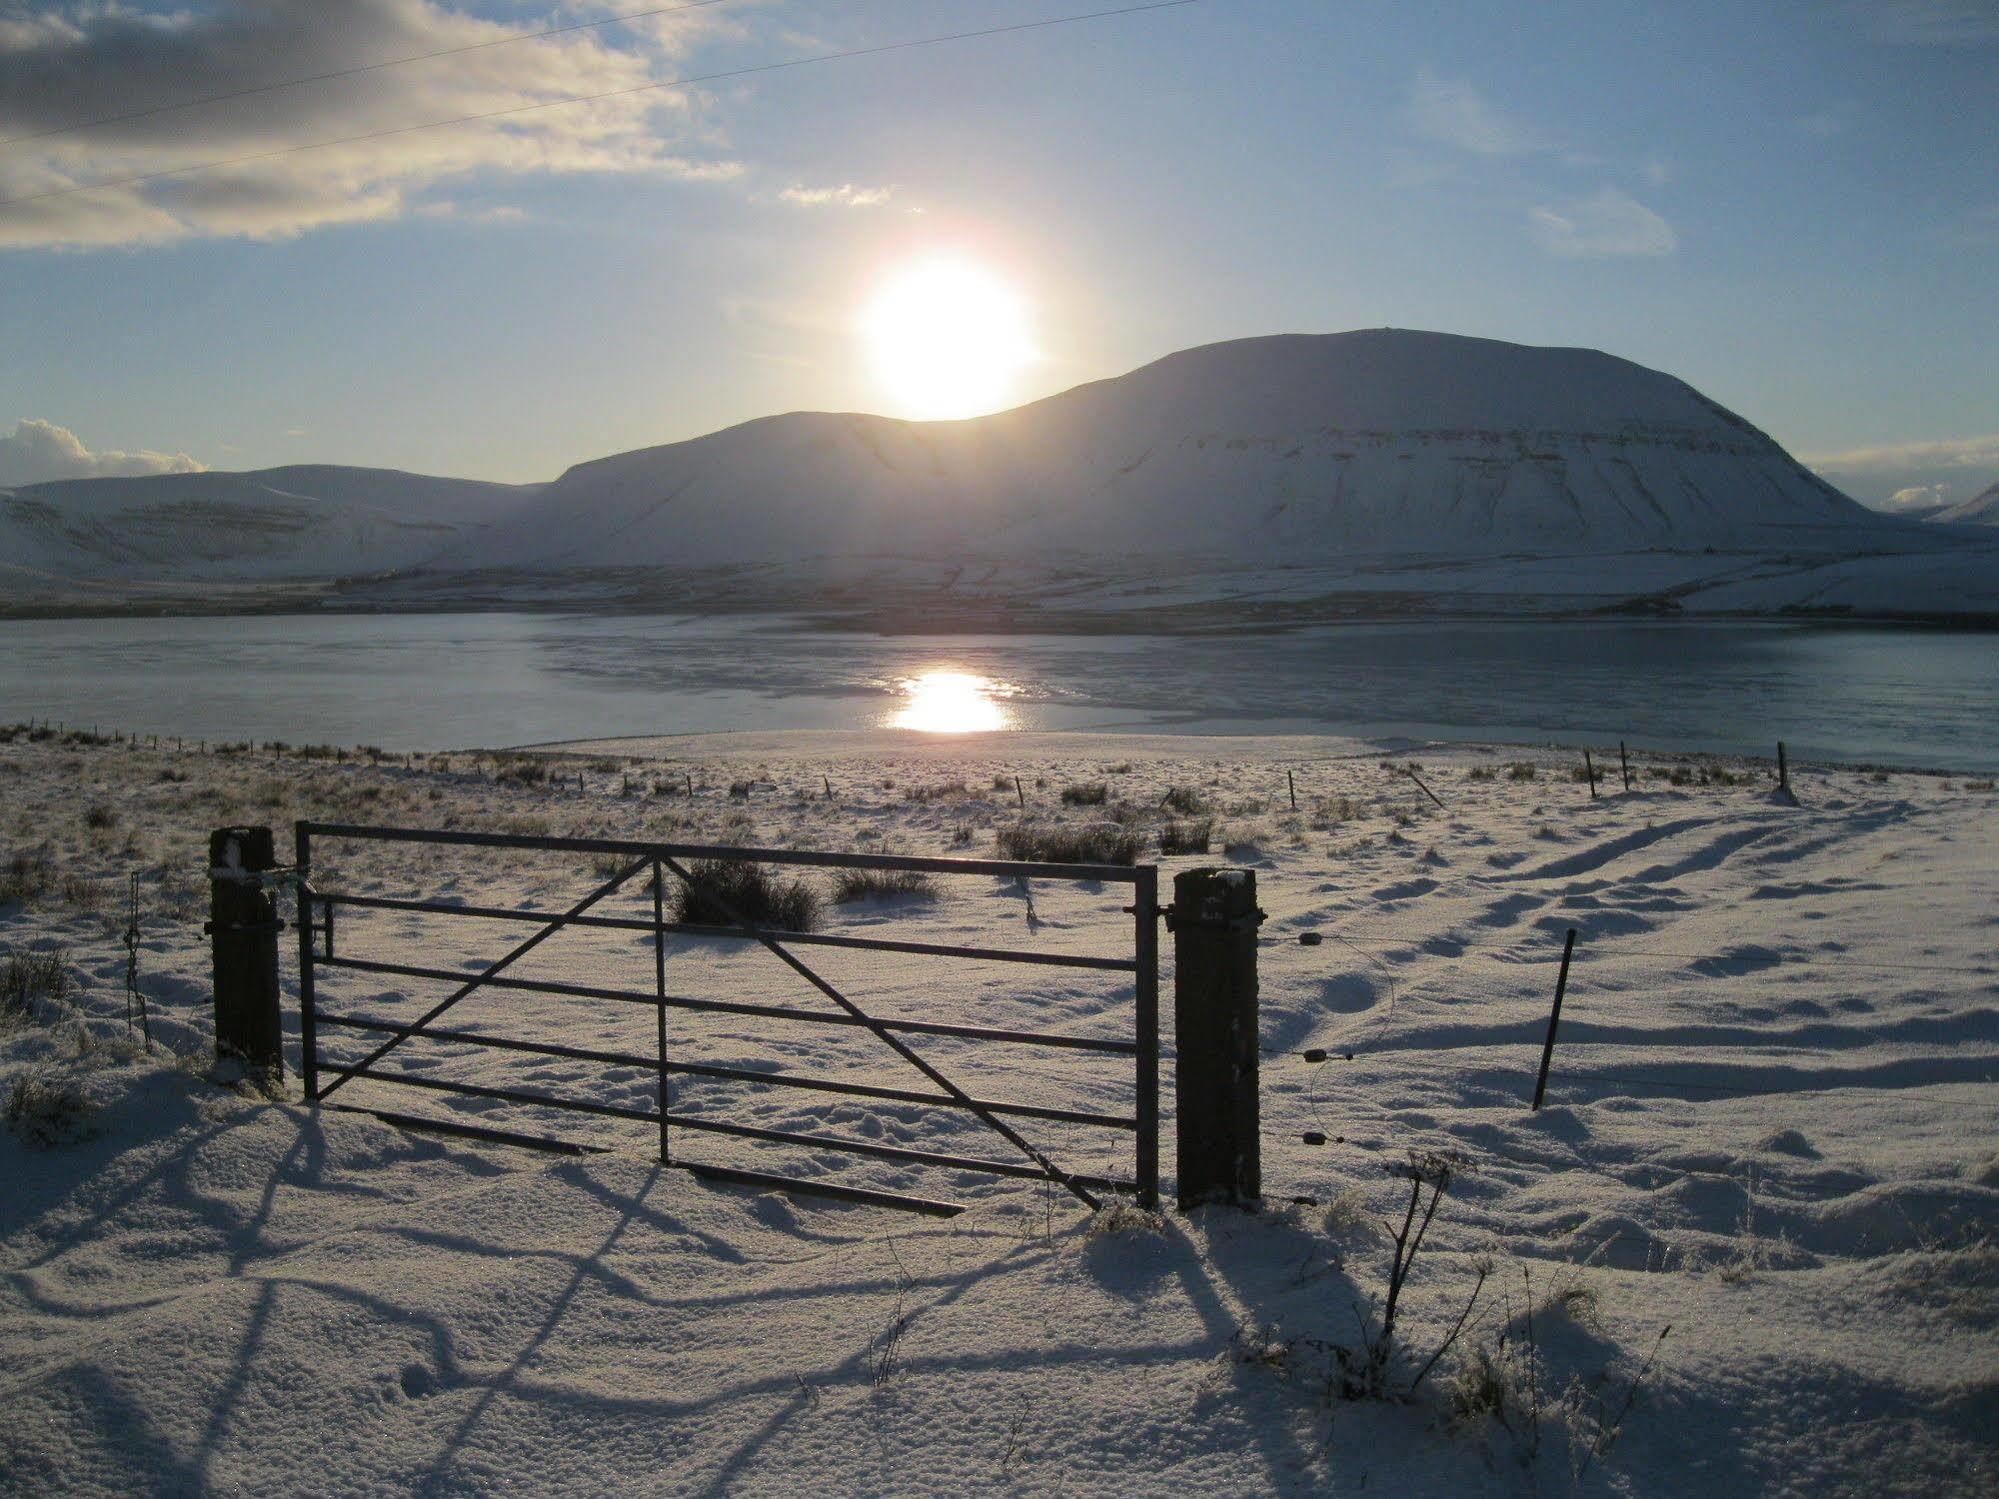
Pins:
x,y
947,339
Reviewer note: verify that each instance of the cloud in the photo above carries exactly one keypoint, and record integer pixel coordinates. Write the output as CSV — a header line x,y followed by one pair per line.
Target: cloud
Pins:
x,y
1884,474
39,451
1454,112
1610,223
846,195
1888,458
1822,124
84,61
1917,497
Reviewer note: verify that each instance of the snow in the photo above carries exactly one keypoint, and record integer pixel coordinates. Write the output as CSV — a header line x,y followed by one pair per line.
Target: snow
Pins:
x,y
1296,448
1771,1128
306,521
1982,509
1376,471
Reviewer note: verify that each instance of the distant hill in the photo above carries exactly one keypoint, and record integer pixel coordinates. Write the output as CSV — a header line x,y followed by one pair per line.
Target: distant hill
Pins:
x,y
305,521
1293,448
1982,509
1283,479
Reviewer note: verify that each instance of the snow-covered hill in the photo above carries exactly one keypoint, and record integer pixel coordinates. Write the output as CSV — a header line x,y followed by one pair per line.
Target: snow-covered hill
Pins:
x,y
1982,509
1292,448
307,521
1326,476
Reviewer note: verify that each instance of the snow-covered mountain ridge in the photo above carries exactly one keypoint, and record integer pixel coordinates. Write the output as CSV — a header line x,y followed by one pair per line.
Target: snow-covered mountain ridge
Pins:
x,y
1292,448
1982,509
304,521
1297,477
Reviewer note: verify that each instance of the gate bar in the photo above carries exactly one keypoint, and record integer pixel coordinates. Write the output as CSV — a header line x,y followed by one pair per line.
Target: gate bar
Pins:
x,y
729,1174
1116,874
659,992
792,961
519,951
849,1146
308,1028
697,929
427,1125
840,1143
1145,944
735,1074
734,1007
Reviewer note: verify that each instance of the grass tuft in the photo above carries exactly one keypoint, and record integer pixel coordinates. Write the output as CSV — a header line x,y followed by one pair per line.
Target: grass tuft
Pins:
x,y
850,885
45,1112
1068,843
30,980
1192,836
749,891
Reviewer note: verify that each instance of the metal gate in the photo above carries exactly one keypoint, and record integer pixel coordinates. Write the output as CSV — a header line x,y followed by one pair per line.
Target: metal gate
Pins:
x,y
653,864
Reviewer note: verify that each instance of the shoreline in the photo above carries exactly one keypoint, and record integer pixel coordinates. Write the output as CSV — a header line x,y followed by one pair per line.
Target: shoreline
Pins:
x,y
889,625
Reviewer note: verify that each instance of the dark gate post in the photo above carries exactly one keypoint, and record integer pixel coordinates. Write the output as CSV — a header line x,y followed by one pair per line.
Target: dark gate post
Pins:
x,y
243,927
1214,921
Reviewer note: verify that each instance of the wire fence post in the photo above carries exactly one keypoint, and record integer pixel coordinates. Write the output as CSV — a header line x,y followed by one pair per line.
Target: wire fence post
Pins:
x,y
1214,920
1554,1019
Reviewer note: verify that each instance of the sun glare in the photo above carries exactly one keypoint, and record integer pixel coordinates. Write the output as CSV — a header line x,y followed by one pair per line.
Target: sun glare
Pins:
x,y
947,339
950,702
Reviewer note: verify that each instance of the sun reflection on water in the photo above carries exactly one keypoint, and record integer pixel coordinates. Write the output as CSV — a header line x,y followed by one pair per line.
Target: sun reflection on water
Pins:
x,y
951,702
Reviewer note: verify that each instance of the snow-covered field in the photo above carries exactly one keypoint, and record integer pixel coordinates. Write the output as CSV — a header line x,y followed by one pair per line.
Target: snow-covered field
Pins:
x,y
1772,1129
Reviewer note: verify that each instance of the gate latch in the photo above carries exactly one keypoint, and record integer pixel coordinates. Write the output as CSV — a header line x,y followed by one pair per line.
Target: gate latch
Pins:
x,y
210,928
1248,921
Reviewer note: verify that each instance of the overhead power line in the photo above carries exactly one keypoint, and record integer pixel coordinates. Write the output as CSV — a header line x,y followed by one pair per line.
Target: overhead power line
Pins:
x,y
371,67
513,111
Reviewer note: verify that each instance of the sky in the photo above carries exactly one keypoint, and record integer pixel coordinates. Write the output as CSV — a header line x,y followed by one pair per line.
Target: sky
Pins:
x,y
1792,206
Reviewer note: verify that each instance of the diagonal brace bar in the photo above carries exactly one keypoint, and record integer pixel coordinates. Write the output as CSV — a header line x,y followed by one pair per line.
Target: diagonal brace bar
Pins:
x,y
964,1099
520,951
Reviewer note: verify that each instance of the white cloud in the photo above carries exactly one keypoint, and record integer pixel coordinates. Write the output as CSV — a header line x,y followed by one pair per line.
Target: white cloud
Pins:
x,y
1888,458
1610,223
1918,497
39,451
1821,124
1454,112
846,195
84,61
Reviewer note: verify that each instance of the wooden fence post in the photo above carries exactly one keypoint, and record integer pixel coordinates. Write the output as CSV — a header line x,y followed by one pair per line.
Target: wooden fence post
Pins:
x,y
1624,762
1783,768
1589,769
243,929
1214,920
